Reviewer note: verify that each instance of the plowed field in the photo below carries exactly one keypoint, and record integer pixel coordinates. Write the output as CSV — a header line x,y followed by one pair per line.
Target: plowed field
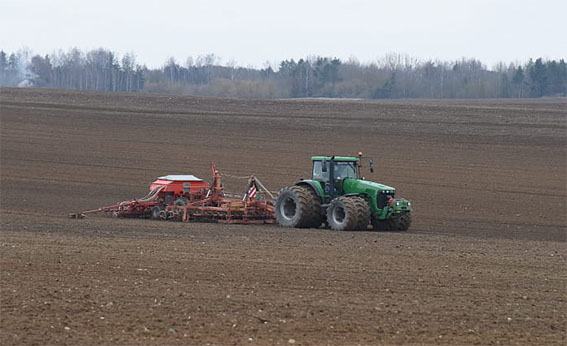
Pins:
x,y
483,263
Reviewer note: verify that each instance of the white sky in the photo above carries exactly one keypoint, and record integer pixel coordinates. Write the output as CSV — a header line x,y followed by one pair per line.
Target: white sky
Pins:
x,y
253,32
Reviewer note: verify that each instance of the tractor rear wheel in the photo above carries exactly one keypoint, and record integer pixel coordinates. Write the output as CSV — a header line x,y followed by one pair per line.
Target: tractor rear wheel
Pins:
x,y
342,214
363,210
298,206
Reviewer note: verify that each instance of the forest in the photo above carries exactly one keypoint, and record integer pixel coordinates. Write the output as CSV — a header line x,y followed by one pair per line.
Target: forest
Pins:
x,y
393,76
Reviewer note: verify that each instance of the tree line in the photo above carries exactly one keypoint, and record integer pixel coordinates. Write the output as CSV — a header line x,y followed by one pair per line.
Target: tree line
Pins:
x,y
98,69
393,76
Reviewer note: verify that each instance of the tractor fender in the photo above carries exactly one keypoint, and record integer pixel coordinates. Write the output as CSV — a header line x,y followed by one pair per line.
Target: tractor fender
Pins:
x,y
315,185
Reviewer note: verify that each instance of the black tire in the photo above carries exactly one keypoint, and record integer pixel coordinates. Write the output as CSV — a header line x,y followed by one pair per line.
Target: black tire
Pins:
x,y
299,207
403,223
395,224
316,217
342,214
363,210
155,212
180,202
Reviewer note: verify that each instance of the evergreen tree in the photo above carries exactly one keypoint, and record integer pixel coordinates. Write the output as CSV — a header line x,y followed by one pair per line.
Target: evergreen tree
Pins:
x,y
3,67
41,71
557,77
518,81
538,78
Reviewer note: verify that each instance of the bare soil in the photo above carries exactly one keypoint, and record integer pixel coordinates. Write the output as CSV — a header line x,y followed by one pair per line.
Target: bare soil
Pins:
x,y
483,263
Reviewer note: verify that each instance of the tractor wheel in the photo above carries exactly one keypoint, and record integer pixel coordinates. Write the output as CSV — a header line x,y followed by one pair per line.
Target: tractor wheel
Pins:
x,y
342,214
298,206
363,210
403,222
394,224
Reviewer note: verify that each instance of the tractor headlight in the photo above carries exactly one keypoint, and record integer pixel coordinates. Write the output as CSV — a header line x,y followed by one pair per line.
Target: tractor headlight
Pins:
x,y
397,203
409,204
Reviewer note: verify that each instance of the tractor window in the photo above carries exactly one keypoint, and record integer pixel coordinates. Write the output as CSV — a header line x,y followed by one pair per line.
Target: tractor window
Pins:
x,y
345,170
318,173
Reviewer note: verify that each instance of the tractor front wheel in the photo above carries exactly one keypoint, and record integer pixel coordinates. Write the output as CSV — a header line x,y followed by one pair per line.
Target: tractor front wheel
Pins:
x,y
394,224
298,206
403,222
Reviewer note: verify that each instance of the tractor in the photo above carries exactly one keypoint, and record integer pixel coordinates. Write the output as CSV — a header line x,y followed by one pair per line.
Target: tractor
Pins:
x,y
339,196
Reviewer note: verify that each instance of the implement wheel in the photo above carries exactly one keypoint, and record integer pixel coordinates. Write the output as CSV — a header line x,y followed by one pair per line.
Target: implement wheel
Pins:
x,y
298,206
156,210
342,214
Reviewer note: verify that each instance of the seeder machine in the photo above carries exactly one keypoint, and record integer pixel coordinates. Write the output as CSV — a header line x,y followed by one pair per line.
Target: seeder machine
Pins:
x,y
187,198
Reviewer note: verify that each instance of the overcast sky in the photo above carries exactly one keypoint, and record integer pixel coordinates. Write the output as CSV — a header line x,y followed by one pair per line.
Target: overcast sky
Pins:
x,y
253,32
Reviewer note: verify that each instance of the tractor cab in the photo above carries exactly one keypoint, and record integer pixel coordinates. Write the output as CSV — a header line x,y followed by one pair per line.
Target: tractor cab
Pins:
x,y
341,170
331,172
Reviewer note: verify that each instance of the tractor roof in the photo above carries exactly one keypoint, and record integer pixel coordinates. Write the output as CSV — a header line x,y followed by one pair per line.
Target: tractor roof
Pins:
x,y
337,158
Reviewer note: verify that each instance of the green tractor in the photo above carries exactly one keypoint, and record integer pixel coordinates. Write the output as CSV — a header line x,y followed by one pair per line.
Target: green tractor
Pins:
x,y
338,195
